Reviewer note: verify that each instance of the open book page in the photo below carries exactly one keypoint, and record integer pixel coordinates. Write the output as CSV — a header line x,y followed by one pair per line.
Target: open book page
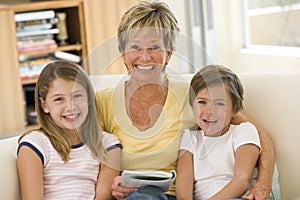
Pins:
x,y
159,179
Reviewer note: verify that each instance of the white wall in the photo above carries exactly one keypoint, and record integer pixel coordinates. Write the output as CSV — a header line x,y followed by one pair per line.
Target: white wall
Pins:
x,y
179,62
229,42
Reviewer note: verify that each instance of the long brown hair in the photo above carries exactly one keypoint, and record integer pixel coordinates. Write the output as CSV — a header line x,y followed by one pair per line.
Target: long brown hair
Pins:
x,y
90,131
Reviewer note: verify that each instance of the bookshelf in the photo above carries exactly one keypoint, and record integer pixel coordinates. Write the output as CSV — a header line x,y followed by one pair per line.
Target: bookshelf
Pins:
x,y
33,37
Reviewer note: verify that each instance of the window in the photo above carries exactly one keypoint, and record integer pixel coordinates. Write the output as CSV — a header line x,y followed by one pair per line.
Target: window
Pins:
x,y
272,22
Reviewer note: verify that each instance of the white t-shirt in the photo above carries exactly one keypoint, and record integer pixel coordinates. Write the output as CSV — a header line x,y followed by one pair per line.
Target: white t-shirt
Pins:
x,y
75,179
214,157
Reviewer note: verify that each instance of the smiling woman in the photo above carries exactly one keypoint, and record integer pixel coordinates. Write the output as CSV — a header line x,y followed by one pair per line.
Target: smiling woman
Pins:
x,y
146,55
149,111
149,107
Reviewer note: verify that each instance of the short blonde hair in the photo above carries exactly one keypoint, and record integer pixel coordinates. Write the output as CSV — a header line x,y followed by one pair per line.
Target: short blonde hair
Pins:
x,y
148,15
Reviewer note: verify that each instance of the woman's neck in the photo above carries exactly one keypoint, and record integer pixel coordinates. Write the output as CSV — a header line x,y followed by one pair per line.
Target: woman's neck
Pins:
x,y
146,88
145,103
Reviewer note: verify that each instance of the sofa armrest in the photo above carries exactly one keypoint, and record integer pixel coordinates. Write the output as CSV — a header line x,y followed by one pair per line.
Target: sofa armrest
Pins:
x,y
9,182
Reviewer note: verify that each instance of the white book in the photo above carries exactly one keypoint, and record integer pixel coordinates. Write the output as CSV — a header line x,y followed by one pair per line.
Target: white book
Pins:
x,y
37,32
38,15
37,27
161,179
67,56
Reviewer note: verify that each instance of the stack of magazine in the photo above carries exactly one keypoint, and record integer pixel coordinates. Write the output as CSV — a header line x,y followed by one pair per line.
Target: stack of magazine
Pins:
x,y
140,179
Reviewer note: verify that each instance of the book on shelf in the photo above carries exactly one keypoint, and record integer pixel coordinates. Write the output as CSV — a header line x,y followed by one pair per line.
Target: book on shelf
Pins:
x,y
37,32
37,15
27,73
161,179
34,43
31,66
30,58
37,48
37,27
36,24
67,56
36,37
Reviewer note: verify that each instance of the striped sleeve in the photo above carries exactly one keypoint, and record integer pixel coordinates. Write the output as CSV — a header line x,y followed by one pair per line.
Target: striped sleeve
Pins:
x,y
38,142
110,141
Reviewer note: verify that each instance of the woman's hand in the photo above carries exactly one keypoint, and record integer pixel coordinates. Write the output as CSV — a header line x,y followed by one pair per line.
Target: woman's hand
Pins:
x,y
120,192
258,192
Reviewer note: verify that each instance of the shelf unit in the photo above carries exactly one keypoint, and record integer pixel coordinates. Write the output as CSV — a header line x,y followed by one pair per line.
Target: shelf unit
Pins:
x,y
14,108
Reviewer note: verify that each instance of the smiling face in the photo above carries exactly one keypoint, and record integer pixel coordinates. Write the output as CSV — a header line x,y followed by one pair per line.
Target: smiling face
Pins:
x,y
213,110
67,103
146,56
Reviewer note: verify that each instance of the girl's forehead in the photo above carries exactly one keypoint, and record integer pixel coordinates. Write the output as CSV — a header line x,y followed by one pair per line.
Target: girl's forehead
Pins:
x,y
62,84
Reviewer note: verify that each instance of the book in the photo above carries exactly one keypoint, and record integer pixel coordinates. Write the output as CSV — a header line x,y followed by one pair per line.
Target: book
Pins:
x,y
161,179
29,16
37,27
37,48
36,24
34,43
67,56
37,32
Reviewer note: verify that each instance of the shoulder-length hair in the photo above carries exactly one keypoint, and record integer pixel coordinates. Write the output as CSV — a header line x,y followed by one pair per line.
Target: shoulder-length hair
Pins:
x,y
90,131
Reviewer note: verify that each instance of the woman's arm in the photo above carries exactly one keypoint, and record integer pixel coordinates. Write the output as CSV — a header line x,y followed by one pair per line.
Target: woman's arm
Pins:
x,y
30,170
185,176
261,190
246,157
107,172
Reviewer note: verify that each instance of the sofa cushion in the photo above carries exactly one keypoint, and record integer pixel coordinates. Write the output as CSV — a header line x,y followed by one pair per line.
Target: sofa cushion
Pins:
x,y
9,184
271,99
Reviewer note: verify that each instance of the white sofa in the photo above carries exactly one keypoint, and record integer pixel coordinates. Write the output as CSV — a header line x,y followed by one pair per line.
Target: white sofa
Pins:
x,y
272,99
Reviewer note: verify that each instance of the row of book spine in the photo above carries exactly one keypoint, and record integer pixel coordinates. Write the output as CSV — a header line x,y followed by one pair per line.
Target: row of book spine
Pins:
x,y
36,32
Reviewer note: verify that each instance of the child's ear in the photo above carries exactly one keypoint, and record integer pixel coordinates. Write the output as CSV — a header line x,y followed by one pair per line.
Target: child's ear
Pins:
x,y
43,104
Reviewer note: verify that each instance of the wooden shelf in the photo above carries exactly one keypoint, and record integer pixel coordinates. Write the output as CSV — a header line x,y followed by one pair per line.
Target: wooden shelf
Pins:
x,y
13,112
29,81
43,5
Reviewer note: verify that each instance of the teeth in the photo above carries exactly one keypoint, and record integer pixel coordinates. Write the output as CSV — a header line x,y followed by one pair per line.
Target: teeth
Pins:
x,y
145,67
210,121
71,116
